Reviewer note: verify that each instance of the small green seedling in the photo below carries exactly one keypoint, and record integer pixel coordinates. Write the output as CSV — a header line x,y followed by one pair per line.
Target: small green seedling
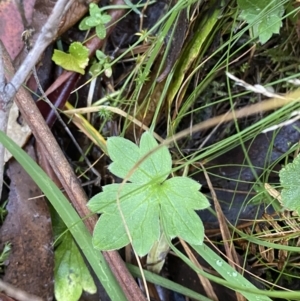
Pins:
x,y
150,202
102,64
76,60
97,19
78,57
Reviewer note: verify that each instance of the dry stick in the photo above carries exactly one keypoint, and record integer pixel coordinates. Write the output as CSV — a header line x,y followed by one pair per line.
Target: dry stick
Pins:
x,y
5,105
2,73
207,286
53,152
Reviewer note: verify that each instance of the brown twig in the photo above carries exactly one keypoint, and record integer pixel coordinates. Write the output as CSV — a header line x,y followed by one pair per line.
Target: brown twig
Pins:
x,y
5,105
207,286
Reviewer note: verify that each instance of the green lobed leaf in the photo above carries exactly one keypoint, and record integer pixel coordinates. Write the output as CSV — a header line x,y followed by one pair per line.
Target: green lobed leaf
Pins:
x,y
71,273
94,9
75,61
95,69
92,22
100,55
139,207
179,198
264,18
109,233
157,166
83,24
105,18
100,31
96,19
146,202
249,5
125,154
290,181
271,24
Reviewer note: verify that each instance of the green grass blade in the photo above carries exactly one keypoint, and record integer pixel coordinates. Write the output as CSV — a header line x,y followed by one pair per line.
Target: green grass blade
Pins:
x,y
246,288
232,279
70,218
228,273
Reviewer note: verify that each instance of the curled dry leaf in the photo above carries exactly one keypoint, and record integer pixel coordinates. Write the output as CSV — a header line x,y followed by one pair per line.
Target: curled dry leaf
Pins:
x,y
28,228
17,130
